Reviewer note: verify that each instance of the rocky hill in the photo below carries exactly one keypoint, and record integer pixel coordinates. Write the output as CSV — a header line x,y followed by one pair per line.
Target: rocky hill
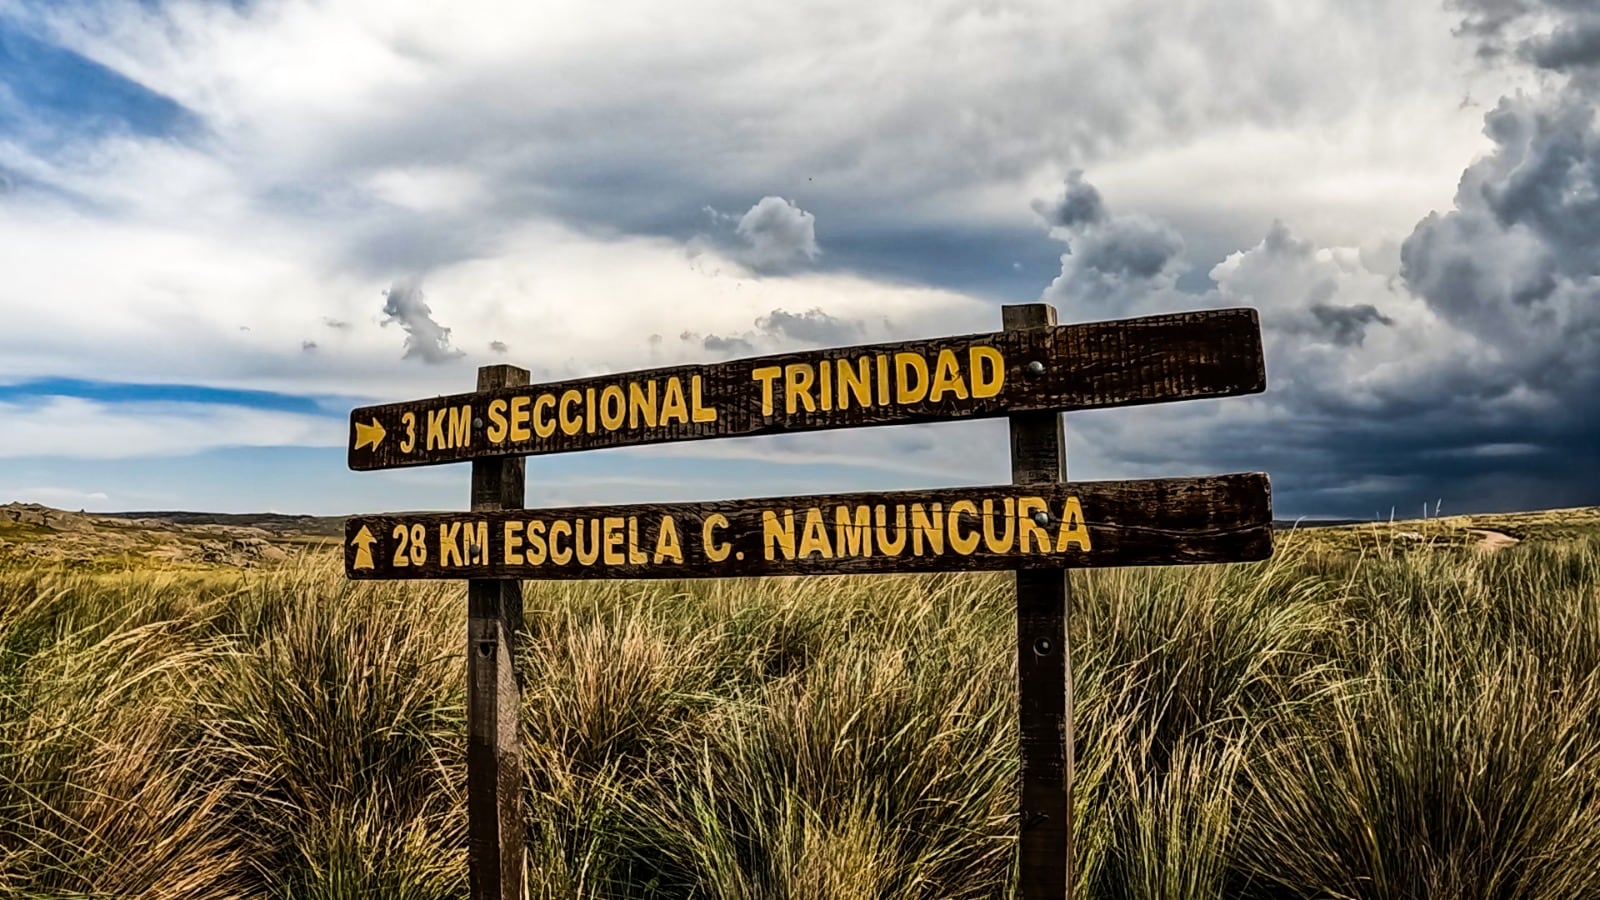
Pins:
x,y
30,532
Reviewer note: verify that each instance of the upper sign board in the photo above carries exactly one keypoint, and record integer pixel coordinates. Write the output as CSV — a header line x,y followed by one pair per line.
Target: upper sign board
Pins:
x,y
1212,353
1160,521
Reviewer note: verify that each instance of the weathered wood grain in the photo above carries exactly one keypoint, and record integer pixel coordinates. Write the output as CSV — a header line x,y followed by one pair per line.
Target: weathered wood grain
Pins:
x,y
1211,353
495,854
1044,663
1223,518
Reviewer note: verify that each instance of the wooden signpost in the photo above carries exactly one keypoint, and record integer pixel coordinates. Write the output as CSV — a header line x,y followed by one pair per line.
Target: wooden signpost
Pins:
x,y
1039,526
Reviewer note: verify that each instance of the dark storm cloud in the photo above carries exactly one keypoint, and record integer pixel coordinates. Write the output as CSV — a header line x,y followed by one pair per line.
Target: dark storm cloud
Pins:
x,y
1514,268
426,339
1484,391
1572,47
1471,378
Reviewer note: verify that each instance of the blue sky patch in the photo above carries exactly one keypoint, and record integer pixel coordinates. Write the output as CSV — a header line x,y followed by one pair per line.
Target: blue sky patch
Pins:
x,y
120,392
73,96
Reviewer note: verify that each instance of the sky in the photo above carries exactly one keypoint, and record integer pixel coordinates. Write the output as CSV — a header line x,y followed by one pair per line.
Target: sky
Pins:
x,y
223,225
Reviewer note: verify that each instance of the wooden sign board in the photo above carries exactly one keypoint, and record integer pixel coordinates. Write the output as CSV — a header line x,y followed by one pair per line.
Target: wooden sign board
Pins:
x,y
1212,353
1223,518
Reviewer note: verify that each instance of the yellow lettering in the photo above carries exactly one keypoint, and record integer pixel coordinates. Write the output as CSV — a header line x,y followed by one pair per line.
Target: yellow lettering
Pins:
x,y
1074,530
814,539
797,383
825,384
498,426
964,544
911,377
766,375
927,527
641,406
674,405
409,443
570,424
852,536
538,552
1026,507
881,532
613,407
699,412
511,542
544,423
519,419
449,544
667,542
558,555
715,551
614,537
884,397
775,537
986,384
588,410
636,556
857,381
999,543
461,426
477,542
436,423
402,558
947,378
588,550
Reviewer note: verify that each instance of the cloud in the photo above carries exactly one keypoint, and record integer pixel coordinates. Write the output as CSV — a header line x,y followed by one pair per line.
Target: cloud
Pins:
x,y
727,346
810,327
402,139
308,346
777,235
1079,204
782,330
425,339
1558,35
1110,259
1462,365
74,428
499,347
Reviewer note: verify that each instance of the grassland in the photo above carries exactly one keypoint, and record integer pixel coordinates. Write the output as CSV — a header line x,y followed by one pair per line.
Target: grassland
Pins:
x,y
1366,715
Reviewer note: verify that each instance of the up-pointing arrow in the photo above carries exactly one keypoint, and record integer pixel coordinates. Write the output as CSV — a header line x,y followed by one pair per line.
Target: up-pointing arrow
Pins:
x,y
363,542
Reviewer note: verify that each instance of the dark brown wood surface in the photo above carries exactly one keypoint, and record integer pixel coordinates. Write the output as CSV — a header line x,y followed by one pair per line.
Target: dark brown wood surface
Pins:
x,y
1044,664
1222,518
495,855
1211,353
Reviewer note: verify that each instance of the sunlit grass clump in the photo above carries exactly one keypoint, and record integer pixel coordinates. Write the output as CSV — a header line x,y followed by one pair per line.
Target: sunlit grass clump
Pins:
x,y
1323,725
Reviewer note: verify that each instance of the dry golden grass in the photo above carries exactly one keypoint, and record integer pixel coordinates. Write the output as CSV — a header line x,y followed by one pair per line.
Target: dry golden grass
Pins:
x,y
1380,723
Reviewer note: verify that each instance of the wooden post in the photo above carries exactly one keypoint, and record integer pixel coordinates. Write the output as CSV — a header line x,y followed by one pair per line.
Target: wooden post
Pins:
x,y
494,745
1044,665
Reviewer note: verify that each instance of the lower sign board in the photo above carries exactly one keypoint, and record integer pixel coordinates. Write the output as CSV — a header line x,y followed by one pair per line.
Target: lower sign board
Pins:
x,y
1165,521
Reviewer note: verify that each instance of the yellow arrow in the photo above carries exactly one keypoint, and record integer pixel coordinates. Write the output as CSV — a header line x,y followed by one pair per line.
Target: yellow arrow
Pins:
x,y
369,435
363,542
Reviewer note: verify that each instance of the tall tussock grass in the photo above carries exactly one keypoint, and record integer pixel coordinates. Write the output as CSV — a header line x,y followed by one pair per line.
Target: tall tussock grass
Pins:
x,y
1416,724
